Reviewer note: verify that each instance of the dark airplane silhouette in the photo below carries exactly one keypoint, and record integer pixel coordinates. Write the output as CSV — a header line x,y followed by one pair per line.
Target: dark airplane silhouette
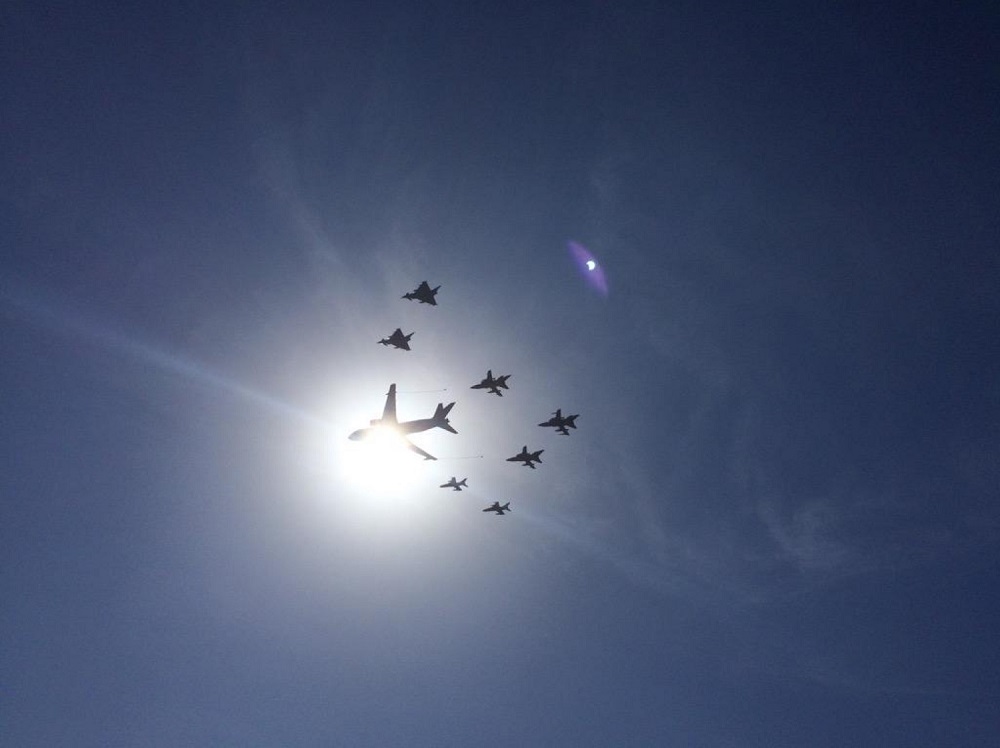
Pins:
x,y
455,483
398,340
491,384
497,508
388,421
528,459
561,422
423,293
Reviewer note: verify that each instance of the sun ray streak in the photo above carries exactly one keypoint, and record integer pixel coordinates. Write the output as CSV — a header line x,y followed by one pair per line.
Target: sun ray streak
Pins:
x,y
50,316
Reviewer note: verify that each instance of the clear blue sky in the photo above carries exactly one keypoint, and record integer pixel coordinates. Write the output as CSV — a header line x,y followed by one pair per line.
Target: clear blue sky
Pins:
x,y
777,524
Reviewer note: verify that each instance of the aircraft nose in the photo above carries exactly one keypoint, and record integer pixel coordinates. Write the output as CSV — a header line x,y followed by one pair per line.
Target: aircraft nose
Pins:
x,y
356,436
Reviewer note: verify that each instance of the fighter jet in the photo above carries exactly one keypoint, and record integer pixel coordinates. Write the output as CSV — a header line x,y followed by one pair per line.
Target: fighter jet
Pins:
x,y
497,508
398,340
455,484
389,423
423,293
491,384
561,422
528,459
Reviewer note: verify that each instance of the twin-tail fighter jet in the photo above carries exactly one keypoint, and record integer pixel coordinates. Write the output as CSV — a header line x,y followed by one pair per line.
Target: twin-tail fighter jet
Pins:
x,y
423,293
526,458
561,423
455,484
494,385
388,424
398,340
497,508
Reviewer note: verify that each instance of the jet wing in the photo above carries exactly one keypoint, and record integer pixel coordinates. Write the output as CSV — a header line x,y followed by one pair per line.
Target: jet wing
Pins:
x,y
389,412
426,455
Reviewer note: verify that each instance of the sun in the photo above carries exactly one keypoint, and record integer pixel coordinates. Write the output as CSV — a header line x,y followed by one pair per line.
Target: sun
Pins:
x,y
380,465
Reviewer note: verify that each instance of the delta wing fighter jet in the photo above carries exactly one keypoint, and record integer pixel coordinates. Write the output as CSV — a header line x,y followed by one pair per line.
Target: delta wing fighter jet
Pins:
x,y
423,293
494,385
561,423
526,458
398,340
388,424
455,484
496,507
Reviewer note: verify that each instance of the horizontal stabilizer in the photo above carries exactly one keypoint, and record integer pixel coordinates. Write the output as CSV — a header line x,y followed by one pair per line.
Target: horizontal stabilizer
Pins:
x,y
441,417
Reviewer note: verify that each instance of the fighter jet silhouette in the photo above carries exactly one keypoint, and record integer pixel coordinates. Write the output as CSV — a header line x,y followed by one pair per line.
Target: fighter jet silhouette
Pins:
x,y
491,384
398,340
423,293
561,422
528,459
455,484
388,422
497,508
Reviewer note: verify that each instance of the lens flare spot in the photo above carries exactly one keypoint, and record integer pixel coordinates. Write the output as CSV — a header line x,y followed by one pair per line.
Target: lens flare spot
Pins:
x,y
589,267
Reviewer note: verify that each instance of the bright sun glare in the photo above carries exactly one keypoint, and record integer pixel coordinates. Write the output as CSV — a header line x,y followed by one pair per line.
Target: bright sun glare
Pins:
x,y
380,464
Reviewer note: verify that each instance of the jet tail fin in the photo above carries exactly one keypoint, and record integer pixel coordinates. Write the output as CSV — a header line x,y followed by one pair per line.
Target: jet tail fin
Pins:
x,y
441,417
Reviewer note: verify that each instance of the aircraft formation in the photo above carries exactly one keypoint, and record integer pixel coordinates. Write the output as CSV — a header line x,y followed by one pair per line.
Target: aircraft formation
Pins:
x,y
424,294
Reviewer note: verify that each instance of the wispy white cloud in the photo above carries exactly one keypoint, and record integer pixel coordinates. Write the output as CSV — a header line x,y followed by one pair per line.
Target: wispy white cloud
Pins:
x,y
810,537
